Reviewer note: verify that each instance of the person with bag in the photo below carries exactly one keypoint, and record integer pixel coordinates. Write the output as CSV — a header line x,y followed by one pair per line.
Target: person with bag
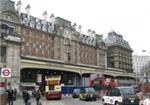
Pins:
x,y
10,96
37,96
15,94
26,97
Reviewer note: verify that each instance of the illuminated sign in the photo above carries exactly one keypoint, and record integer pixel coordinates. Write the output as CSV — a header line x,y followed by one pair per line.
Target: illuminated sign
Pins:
x,y
53,82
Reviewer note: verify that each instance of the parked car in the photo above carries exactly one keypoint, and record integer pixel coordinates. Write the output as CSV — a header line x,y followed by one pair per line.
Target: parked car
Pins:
x,y
88,94
76,93
121,96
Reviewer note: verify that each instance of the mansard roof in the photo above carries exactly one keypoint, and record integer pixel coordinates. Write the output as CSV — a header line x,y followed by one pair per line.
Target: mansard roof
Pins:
x,y
7,8
6,5
64,20
116,39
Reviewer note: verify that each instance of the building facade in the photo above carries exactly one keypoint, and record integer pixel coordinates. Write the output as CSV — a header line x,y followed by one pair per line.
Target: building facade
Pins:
x,y
119,52
34,48
141,66
9,40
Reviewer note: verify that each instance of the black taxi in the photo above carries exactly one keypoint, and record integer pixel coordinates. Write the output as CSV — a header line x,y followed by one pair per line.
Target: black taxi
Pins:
x,y
121,96
88,94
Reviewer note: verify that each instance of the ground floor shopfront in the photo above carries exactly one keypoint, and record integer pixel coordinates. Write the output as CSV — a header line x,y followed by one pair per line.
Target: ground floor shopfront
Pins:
x,y
33,72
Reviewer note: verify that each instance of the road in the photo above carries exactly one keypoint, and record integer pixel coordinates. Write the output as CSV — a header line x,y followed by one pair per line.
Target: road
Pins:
x,y
64,101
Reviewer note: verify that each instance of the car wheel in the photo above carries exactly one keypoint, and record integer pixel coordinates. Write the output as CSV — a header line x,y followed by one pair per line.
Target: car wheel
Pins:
x,y
94,99
80,98
103,102
86,99
116,103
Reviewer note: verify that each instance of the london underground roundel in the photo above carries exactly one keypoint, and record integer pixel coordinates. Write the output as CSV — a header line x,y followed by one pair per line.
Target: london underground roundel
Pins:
x,y
5,72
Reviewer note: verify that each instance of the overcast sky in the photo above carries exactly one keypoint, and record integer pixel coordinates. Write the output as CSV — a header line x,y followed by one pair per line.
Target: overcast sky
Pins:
x,y
131,18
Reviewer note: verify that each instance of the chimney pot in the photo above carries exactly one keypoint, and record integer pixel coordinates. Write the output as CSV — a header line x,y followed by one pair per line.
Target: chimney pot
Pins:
x,y
19,3
52,15
79,29
45,15
74,26
28,6
19,6
28,10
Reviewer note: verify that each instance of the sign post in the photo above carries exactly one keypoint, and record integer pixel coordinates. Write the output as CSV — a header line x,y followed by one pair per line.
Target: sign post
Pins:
x,y
5,72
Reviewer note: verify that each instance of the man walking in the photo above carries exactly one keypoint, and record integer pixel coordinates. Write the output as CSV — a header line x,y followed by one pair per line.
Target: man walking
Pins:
x,y
37,96
10,97
15,94
26,97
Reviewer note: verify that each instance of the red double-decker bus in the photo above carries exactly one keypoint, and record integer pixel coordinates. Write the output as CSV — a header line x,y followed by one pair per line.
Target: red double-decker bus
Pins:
x,y
53,87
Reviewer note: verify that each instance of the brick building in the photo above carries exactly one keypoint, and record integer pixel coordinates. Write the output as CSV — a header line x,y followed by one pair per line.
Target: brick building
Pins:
x,y
32,46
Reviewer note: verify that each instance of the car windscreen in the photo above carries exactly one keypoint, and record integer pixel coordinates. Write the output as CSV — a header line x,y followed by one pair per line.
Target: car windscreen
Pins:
x,y
127,91
90,90
76,90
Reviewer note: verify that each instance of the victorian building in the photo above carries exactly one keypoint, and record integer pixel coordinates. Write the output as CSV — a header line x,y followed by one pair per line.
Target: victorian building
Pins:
x,y
9,40
119,52
34,48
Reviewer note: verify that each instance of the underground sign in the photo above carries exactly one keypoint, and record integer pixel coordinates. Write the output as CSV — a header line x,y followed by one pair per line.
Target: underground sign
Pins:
x,y
5,72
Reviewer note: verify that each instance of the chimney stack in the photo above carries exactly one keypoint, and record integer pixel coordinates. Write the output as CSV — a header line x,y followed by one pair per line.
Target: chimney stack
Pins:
x,y
19,6
93,34
28,10
45,15
74,26
79,29
52,20
89,32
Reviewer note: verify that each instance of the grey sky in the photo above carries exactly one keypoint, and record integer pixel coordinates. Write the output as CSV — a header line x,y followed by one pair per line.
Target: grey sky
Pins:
x,y
131,18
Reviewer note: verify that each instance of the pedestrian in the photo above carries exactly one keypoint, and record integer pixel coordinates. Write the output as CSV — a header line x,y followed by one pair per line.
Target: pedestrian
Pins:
x,y
140,95
147,101
10,96
15,94
37,96
26,97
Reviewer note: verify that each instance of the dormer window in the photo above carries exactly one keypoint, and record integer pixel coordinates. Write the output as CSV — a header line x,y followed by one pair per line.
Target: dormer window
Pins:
x,y
38,24
44,25
32,22
24,19
49,27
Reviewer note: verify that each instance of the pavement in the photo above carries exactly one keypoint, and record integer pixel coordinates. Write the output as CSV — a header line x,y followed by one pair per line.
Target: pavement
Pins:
x,y
19,101
66,100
